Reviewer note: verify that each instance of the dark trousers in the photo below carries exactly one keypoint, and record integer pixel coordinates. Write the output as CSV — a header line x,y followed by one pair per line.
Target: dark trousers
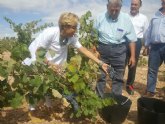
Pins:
x,y
156,58
132,70
115,56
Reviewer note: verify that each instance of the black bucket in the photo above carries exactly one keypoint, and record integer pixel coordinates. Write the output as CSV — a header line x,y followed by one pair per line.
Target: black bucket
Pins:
x,y
117,113
151,111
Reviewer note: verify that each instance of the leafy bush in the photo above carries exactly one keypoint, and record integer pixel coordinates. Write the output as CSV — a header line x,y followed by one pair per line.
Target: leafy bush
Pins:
x,y
6,45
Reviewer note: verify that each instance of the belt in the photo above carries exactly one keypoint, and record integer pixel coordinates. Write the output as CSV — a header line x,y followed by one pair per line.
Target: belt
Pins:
x,y
112,44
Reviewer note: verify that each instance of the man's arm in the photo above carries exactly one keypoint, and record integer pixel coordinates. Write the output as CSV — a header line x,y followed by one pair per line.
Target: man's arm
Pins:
x,y
147,40
132,48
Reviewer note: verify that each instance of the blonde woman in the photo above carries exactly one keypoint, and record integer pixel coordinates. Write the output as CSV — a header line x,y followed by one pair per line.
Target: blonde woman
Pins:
x,y
56,41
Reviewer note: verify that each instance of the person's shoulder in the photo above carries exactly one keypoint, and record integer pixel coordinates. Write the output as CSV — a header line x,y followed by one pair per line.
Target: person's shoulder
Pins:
x,y
51,29
158,14
100,17
142,16
124,16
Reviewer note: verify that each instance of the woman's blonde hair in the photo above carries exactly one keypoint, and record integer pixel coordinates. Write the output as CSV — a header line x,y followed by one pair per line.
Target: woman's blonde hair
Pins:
x,y
68,18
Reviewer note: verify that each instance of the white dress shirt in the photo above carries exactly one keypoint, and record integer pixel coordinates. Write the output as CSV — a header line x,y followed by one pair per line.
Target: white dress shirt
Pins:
x,y
49,39
140,23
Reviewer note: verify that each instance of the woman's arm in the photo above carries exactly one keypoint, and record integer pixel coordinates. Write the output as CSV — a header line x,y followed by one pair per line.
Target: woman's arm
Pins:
x,y
91,56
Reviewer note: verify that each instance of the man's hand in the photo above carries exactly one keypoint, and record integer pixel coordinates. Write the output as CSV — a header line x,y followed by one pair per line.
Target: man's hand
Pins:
x,y
132,61
105,67
145,51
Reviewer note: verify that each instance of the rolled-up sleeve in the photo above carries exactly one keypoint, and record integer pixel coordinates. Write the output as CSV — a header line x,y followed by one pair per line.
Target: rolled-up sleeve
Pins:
x,y
131,35
75,42
147,36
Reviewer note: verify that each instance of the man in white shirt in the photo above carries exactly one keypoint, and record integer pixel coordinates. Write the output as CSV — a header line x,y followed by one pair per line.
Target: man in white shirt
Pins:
x,y
140,23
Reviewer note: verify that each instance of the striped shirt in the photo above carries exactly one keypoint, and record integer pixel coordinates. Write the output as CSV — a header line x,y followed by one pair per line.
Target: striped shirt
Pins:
x,y
156,30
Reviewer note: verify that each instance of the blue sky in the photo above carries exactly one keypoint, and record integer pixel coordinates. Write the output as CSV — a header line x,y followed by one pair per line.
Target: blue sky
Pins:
x,y
22,11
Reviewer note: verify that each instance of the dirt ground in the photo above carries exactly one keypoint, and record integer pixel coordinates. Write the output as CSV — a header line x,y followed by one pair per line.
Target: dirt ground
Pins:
x,y
140,85
56,115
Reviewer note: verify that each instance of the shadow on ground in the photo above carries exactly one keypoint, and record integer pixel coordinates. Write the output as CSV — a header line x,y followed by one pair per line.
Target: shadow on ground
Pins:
x,y
132,116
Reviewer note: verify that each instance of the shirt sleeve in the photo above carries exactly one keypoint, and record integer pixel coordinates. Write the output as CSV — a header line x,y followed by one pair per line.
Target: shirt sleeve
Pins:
x,y
75,42
131,35
42,41
147,36
146,24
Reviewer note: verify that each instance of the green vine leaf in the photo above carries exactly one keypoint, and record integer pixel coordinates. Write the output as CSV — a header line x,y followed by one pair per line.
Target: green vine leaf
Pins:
x,y
17,100
74,79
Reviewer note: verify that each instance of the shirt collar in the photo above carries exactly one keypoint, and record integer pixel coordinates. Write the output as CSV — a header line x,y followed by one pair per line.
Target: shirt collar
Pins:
x,y
158,14
134,15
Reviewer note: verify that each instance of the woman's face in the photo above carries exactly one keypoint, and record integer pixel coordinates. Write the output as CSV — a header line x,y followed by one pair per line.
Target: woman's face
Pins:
x,y
69,30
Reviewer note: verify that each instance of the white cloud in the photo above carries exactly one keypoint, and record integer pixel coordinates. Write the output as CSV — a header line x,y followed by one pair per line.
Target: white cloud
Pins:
x,y
79,9
19,5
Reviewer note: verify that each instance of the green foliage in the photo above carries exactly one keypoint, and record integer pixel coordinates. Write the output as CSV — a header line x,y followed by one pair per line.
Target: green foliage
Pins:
x,y
16,100
79,77
89,37
6,93
34,81
7,45
24,32
20,51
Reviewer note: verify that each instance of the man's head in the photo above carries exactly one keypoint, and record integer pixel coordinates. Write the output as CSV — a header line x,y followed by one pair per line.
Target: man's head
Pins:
x,y
68,23
163,4
135,6
114,7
